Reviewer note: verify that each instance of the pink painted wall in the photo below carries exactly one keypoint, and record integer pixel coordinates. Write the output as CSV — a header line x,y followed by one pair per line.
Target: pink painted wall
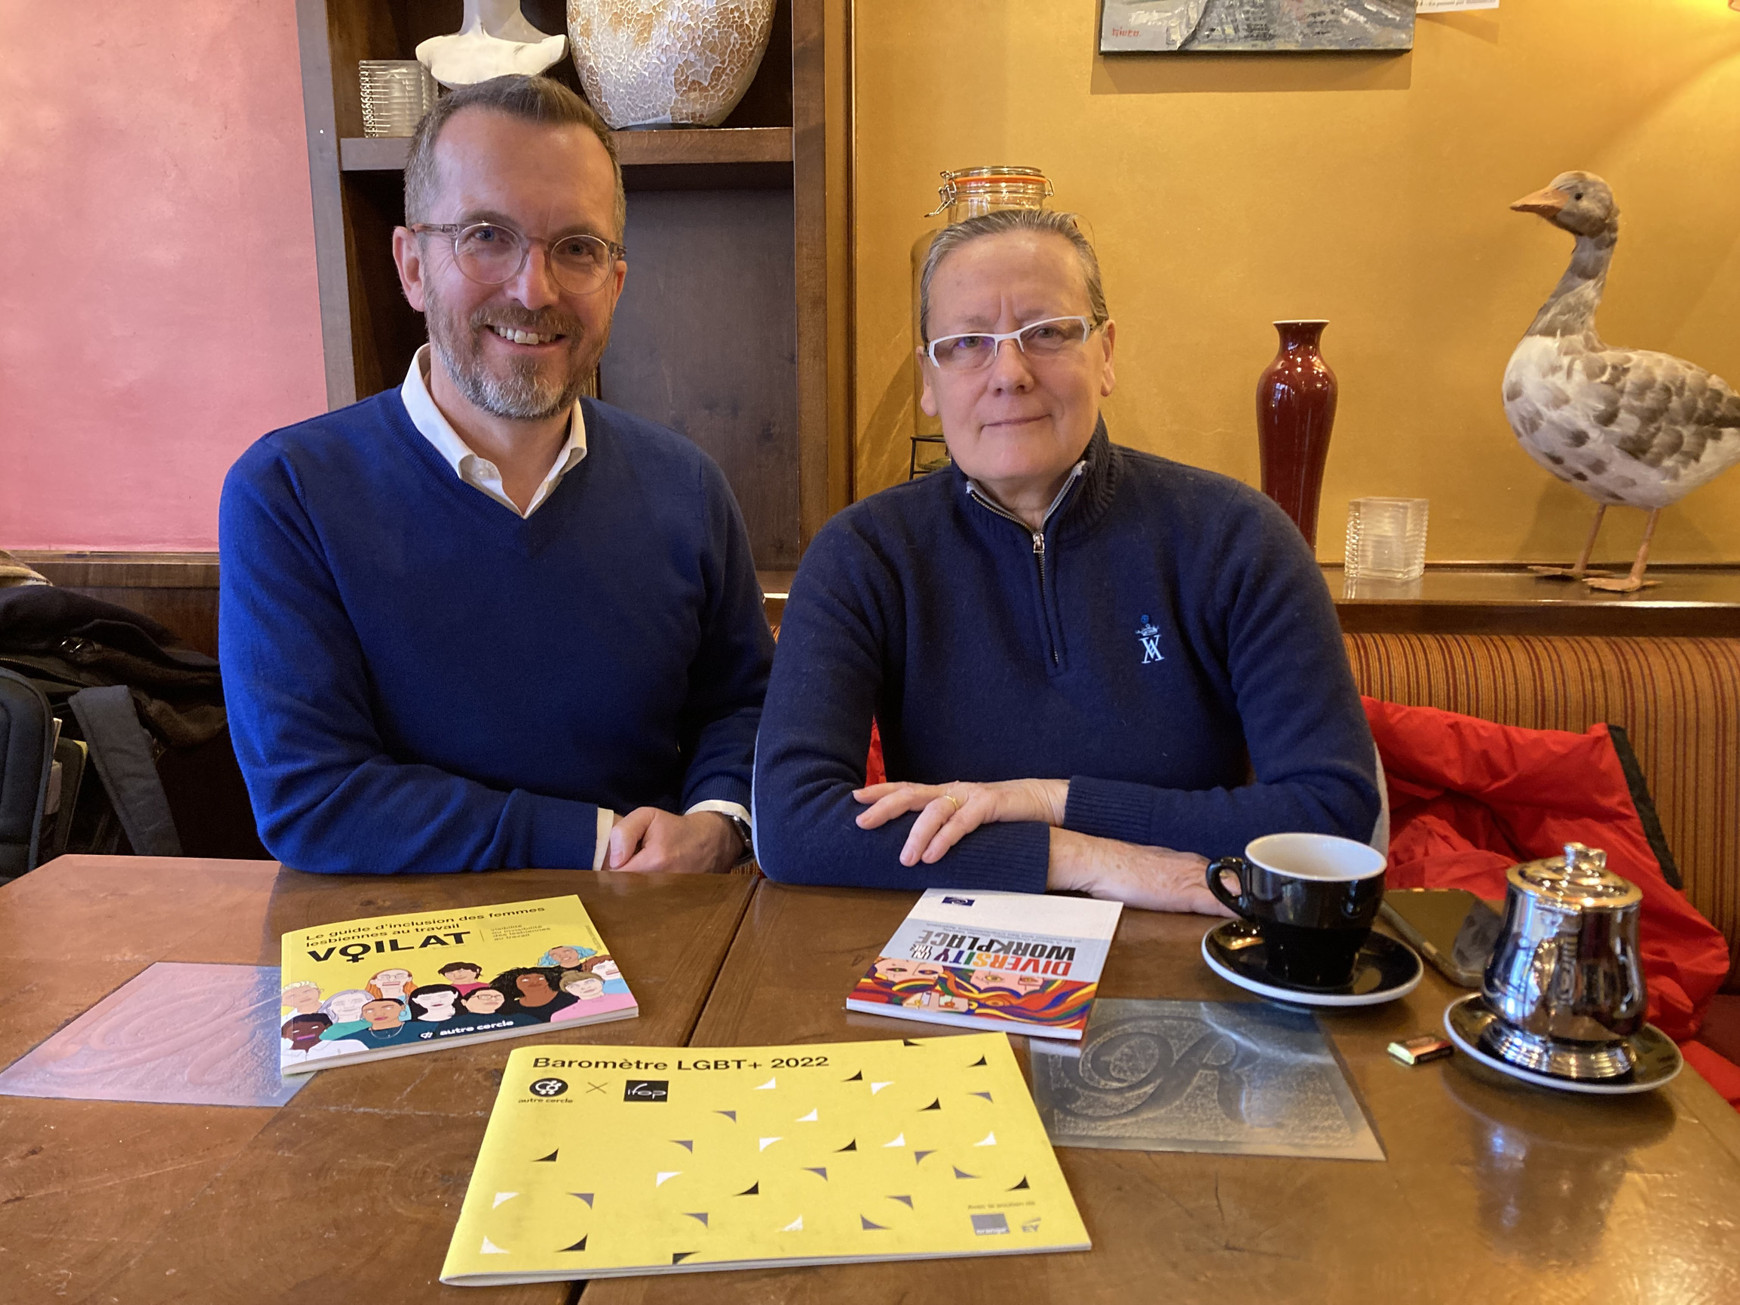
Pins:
x,y
163,312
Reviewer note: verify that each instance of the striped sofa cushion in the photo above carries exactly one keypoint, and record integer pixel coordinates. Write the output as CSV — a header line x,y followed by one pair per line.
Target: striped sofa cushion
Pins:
x,y
1678,699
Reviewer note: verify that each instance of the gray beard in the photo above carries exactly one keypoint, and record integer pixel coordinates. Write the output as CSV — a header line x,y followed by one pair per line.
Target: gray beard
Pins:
x,y
522,394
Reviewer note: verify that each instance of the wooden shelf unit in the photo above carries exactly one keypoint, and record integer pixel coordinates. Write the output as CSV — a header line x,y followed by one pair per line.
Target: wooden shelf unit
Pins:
x,y
701,147
733,323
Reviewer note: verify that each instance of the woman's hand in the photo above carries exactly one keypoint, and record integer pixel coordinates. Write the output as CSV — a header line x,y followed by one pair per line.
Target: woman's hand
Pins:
x,y
949,812
1152,878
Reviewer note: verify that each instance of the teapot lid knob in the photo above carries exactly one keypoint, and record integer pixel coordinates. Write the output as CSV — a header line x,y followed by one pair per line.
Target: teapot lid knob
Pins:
x,y
1580,857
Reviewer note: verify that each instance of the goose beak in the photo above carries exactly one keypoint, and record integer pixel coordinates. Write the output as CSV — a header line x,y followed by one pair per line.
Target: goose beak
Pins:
x,y
1546,203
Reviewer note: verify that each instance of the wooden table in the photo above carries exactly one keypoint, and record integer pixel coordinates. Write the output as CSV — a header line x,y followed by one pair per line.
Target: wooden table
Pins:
x,y
1492,1193
348,1193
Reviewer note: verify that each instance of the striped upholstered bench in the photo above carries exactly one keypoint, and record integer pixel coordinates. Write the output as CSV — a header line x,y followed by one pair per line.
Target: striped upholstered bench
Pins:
x,y
1678,699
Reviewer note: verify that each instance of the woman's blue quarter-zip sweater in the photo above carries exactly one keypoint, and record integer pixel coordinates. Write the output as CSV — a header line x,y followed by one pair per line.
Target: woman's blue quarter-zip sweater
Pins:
x,y
1165,642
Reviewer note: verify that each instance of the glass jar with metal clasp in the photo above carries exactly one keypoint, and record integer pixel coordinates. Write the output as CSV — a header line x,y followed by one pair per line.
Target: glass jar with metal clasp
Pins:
x,y
965,194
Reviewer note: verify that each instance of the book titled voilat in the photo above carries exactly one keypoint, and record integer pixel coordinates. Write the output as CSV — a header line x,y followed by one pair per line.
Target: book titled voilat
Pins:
x,y
604,1162
395,985
1024,962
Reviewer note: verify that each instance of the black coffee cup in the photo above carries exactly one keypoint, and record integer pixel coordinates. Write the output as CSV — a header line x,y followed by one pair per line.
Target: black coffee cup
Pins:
x,y
1313,898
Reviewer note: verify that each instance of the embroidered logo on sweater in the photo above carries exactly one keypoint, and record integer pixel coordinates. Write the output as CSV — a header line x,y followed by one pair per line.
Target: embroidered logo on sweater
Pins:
x,y
1149,635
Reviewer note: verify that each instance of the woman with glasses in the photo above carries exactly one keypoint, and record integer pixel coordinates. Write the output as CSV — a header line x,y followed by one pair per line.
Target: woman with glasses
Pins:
x,y
1092,668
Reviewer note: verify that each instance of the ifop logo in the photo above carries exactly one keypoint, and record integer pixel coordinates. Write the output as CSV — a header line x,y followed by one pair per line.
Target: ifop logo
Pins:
x,y
647,1089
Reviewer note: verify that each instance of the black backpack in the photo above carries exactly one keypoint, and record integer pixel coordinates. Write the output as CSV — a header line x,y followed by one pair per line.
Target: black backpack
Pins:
x,y
149,710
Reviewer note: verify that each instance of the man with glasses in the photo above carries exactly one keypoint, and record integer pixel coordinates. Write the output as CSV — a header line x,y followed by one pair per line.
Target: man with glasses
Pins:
x,y
480,621
1092,668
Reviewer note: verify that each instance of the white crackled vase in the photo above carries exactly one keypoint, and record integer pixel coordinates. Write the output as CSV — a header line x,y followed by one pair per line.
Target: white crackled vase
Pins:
x,y
647,63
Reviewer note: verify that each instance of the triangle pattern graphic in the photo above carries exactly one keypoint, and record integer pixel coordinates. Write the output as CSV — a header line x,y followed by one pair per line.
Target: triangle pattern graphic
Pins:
x,y
977,1064
908,1042
935,1105
546,1159
906,1199
850,1146
702,1217
665,1175
577,1246
856,1078
962,1173
687,1146
817,1169
729,1114
769,1085
990,1140
868,1226
898,1141
584,1196
1021,1186
769,1141
502,1196
918,1156
986,1095
877,1087
796,1225
490,1248
754,1189
807,1119
680,1256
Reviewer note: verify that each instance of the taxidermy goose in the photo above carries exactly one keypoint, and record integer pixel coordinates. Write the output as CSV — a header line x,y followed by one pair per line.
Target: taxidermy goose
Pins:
x,y
1625,426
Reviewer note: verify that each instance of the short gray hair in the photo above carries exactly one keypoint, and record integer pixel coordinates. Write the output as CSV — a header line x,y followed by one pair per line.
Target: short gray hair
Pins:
x,y
997,223
530,99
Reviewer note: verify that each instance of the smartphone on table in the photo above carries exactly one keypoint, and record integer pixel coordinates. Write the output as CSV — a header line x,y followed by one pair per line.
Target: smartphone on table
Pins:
x,y
1452,928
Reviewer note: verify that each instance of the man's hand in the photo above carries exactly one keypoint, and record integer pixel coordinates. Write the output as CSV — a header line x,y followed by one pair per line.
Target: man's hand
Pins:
x,y
1152,878
949,812
650,839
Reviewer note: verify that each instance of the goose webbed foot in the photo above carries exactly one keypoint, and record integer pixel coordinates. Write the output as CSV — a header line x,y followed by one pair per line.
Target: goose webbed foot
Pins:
x,y
1625,584
1566,572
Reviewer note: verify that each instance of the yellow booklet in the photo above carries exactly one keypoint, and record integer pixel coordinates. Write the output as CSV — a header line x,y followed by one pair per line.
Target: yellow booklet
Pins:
x,y
395,985
602,1162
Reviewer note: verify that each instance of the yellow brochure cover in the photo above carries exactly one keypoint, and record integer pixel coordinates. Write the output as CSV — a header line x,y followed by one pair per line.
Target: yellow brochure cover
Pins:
x,y
602,1162
395,985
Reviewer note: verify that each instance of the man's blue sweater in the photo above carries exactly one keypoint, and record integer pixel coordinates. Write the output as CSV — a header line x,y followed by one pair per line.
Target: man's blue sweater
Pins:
x,y
1168,646
419,679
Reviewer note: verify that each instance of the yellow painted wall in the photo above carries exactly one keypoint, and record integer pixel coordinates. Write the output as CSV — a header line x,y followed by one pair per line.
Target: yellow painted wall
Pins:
x,y
1227,191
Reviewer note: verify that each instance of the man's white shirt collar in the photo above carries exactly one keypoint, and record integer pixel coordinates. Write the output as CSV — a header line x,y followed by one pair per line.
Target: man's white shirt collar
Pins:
x,y
480,473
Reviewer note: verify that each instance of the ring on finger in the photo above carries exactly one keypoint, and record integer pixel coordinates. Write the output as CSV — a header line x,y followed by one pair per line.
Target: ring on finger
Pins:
x,y
952,798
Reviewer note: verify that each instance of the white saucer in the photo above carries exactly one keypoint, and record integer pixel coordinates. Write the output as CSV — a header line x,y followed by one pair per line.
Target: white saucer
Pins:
x,y
1658,1062
1386,969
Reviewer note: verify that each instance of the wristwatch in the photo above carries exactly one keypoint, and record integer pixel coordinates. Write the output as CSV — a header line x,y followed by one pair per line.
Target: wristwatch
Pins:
x,y
746,834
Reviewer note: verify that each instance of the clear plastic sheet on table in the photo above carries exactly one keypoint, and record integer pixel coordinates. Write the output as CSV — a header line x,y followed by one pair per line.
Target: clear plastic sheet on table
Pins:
x,y
1246,1078
185,1034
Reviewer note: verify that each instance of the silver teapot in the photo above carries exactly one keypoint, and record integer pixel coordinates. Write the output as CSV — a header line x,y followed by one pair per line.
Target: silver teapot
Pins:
x,y
1565,978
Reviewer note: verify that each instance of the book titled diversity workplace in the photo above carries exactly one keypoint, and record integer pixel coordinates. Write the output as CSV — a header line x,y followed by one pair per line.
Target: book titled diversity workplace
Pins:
x,y
1023,962
396,985
607,1161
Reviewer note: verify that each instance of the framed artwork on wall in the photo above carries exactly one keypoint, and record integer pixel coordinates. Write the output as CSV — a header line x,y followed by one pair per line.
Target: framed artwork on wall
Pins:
x,y
1254,26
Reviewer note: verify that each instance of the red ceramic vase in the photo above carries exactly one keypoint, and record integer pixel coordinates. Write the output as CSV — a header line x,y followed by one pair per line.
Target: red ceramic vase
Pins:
x,y
1295,413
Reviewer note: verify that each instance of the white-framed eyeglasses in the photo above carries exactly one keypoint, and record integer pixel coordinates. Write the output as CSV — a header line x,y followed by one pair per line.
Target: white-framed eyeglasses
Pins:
x,y
973,350
491,253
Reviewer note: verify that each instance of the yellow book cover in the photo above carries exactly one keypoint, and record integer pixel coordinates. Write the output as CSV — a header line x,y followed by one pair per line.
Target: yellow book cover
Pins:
x,y
603,1162
394,985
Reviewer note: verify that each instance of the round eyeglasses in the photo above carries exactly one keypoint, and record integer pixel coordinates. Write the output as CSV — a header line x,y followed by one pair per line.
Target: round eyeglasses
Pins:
x,y
490,254
974,350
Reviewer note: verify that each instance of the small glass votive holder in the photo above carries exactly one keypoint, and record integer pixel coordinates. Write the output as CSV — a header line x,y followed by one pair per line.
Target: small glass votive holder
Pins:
x,y
396,93
1386,539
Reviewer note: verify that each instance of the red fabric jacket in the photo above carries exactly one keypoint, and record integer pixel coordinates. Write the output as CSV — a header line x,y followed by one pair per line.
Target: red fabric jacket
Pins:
x,y
1469,799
